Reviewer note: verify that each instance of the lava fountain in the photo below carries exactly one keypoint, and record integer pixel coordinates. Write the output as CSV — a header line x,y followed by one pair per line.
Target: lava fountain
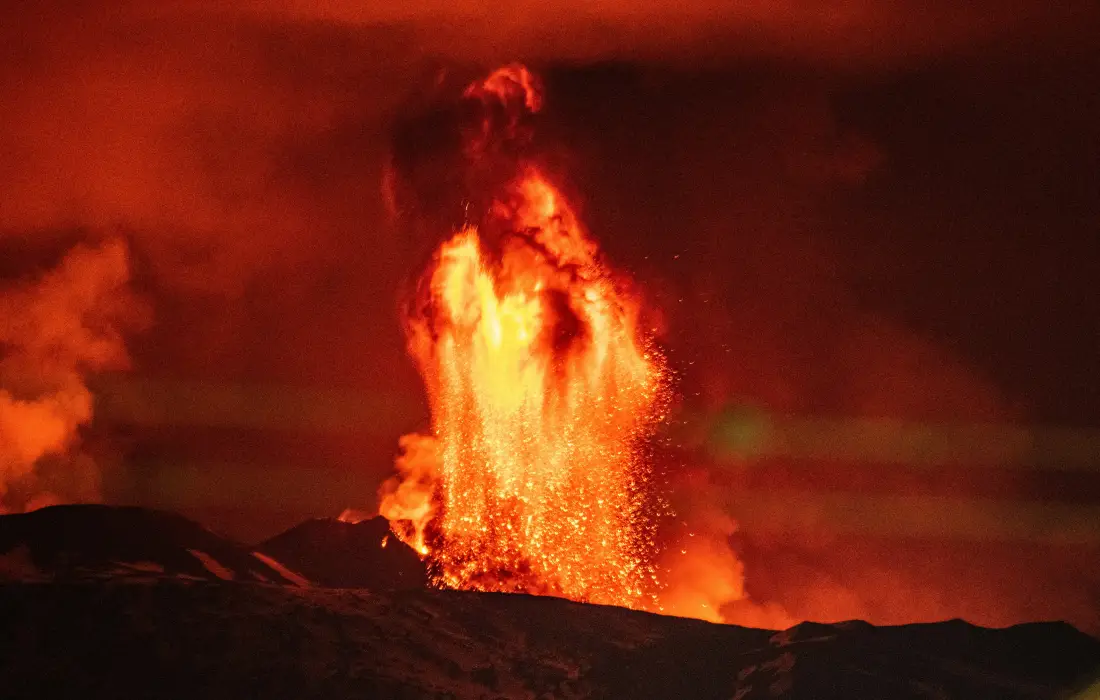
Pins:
x,y
543,390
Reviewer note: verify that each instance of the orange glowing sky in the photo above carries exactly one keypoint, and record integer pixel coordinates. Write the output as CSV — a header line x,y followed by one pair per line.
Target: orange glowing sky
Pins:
x,y
870,228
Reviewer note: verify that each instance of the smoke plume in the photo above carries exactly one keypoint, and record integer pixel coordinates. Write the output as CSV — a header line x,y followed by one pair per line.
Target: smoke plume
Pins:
x,y
55,330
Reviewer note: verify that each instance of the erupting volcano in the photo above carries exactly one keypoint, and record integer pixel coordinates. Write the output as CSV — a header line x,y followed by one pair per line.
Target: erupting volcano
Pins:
x,y
542,388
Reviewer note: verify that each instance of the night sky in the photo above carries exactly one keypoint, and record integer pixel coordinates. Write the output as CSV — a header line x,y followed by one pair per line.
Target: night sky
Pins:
x,y
876,225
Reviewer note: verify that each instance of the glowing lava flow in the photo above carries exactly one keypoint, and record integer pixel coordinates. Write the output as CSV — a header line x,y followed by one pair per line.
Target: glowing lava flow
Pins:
x,y
541,390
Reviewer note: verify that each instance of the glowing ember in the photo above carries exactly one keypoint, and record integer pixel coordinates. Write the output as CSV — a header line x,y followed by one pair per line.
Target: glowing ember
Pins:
x,y
541,390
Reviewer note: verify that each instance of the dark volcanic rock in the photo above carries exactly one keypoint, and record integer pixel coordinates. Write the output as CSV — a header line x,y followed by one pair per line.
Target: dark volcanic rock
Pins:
x,y
194,624
190,639
951,659
79,541
337,554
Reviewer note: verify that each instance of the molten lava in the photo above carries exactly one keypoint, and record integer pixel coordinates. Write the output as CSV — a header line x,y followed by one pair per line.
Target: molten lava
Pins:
x,y
542,391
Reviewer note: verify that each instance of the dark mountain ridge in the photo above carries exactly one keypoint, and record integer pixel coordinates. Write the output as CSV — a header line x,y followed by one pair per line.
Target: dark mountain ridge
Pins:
x,y
186,639
81,623
338,554
80,541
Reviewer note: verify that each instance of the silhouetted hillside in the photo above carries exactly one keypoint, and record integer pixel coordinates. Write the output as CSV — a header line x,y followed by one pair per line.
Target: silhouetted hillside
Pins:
x,y
79,541
196,639
338,554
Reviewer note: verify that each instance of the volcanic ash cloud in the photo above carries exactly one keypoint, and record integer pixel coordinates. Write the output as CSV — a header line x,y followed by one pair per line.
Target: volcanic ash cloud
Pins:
x,y
56,330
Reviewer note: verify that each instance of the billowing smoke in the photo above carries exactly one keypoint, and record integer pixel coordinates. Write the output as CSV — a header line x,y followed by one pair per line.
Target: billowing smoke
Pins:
x,y
55,330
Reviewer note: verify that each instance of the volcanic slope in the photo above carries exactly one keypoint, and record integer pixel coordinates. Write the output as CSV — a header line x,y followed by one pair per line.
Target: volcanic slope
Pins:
x,y
214,639
71,542
338,554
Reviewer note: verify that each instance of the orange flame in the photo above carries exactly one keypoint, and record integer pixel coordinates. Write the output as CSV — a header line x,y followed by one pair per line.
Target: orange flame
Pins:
x,y
542,390
406,498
